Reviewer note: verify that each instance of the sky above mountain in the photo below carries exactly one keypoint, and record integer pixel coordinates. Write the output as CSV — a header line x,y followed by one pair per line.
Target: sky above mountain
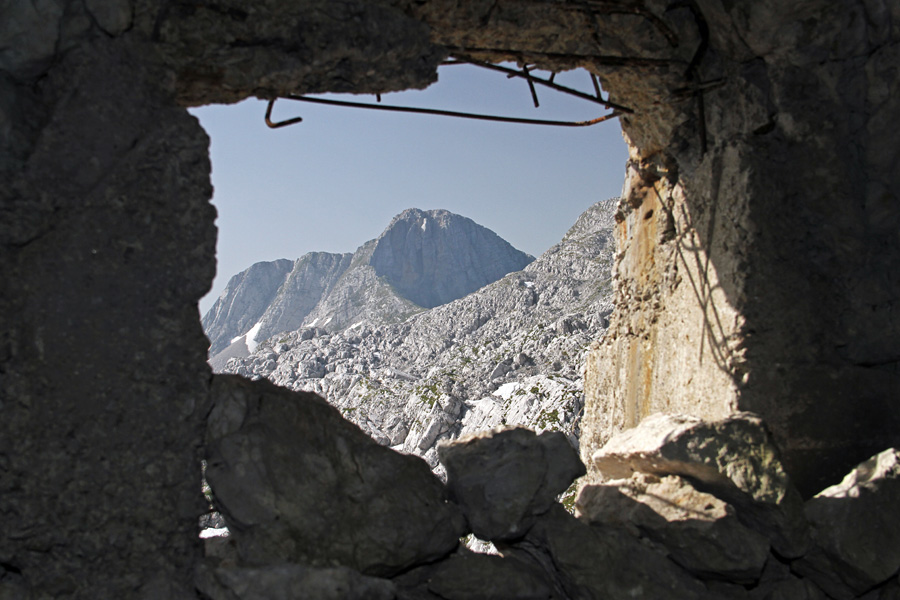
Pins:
x,y
337,179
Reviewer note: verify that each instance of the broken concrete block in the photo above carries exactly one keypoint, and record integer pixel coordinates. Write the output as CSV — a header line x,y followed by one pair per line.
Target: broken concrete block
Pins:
x,y
734,459
504,478
856,534
701,532
298,483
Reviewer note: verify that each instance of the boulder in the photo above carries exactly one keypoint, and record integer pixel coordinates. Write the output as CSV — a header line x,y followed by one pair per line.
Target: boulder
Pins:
x,y
602,561
298,483
891,591
856,532
779,583
504,478
734,459
289,581
466,575
501,369
701,532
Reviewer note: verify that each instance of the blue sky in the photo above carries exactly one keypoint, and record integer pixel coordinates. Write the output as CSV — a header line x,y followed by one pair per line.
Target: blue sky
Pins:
x,y
335,180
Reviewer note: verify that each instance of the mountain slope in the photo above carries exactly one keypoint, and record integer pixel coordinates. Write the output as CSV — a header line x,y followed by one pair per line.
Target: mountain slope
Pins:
x,y
246,298
434,257
422,259
509,353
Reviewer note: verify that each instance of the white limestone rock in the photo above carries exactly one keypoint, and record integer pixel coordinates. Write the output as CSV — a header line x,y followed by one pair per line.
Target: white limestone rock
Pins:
x,y
734,459
701,532
395,380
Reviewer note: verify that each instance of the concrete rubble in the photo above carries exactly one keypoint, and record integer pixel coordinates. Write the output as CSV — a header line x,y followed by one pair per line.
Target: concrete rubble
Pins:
x,y
296,482
685,524
505,478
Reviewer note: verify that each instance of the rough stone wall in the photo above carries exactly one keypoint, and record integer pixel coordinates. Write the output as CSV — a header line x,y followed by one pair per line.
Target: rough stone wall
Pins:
x,y
758,240
764,279
108,242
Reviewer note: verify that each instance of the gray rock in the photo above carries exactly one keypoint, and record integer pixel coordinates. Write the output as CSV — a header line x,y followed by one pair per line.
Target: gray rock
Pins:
x,y
297,483
856,532
779,583
285,581
30,32
701,532
244,301
433,257
891,591
469,576
600,561
113,16
734,458
503,479
500,370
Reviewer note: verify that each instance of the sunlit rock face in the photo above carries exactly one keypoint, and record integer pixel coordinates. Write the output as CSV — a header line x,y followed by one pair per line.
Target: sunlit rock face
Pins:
x,y
245,299
758,237
433,257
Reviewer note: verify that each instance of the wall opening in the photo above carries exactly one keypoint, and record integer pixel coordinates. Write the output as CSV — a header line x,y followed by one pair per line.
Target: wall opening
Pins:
x,y
335,181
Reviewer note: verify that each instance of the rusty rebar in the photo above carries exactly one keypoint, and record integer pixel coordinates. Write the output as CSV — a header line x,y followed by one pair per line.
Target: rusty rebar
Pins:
x,y
428,111
465,59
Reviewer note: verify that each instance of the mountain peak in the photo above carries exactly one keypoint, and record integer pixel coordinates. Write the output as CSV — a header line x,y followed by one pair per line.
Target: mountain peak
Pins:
x,y
433,257
424,258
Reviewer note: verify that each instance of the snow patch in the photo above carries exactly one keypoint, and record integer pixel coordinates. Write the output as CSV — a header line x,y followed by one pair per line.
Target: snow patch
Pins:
x,y
251,338
529,284
328,321
424,224
313,324
234,339
506,390
216,532
355,325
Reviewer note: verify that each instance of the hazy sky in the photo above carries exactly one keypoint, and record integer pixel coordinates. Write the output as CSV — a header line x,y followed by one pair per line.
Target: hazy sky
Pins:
x,y
335,180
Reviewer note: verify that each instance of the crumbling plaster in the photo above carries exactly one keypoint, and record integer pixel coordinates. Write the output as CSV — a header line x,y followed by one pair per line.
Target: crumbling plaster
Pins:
x,y
764,279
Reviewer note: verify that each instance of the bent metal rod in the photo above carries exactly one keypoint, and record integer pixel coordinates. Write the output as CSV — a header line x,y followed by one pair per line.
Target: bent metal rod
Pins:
x,y
525,73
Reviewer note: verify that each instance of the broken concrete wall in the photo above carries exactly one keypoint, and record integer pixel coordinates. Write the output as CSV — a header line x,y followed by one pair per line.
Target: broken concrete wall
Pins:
x,y
108,243
758,240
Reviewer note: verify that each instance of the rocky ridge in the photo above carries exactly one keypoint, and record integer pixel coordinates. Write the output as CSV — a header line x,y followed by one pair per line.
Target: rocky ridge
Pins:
x,y
423,258
508,354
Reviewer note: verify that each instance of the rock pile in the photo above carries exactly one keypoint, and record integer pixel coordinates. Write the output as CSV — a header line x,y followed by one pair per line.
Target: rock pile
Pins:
x,y
686,509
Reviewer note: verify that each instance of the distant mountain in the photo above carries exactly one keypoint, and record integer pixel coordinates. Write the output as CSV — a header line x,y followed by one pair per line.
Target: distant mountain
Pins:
x,y
423,259
434,257
509,353
244,301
